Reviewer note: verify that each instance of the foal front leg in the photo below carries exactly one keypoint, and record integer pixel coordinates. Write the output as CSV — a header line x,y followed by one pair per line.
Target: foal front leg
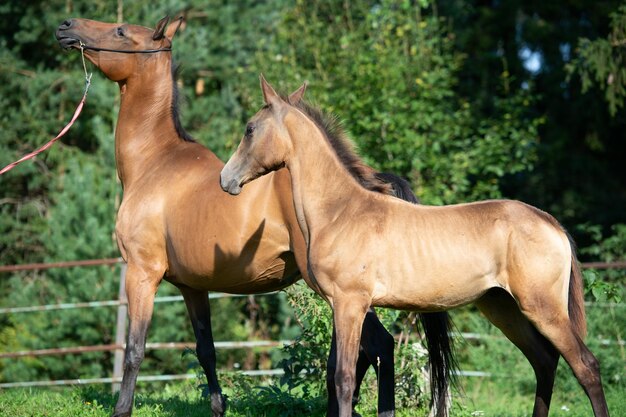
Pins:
x,y
141,287
362,365
200,314
377,350
348,316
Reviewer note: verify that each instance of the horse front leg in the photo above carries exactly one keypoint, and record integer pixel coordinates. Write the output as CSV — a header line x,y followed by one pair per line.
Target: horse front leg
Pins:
x,y
200,314
378,345
348,316
141,287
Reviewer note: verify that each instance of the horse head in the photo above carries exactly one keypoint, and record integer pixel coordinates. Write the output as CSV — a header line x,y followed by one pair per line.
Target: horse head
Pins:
x,y
265,145
117,49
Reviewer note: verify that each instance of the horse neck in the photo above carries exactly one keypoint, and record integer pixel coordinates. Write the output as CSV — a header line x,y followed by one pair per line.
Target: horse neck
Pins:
x,y
322,186
145,127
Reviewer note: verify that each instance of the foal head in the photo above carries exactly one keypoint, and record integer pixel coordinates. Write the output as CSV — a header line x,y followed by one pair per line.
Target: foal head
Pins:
x,y
266,145
118,50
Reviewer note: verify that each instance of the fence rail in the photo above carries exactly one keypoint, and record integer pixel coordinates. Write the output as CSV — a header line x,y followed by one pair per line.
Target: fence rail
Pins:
x,y
119,346
247,344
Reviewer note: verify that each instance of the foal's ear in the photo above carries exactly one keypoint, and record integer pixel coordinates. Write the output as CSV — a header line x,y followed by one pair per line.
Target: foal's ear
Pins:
x,y
296,96
269,95
174,26
159,30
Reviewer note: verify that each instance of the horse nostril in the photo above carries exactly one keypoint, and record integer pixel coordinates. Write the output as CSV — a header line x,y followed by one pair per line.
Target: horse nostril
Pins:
x,y
66,24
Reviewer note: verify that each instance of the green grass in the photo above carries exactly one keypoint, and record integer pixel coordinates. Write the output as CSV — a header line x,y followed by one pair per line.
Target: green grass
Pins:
x,y
482,397
180,399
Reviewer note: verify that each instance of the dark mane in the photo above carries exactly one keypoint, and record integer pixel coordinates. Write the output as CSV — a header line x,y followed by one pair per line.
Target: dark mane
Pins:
x,y
334,132
180,130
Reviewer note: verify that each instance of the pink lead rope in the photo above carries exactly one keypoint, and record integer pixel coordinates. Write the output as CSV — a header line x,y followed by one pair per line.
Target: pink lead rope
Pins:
x,y
65,129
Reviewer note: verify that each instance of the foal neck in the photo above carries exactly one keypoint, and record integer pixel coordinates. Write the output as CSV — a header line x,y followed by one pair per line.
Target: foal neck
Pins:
x,y
146,128
323,189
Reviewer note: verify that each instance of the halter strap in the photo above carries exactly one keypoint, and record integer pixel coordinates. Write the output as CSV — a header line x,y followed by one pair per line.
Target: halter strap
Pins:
x,y
125,51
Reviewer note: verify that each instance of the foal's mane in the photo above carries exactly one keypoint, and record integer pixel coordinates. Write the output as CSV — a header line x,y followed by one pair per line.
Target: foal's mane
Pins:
x,y
335,134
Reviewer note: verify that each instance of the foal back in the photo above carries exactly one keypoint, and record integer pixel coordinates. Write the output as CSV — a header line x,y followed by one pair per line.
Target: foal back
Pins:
x,y
453,254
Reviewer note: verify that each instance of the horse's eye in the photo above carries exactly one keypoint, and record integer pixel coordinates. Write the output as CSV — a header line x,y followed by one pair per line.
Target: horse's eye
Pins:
x,y
249,130
120,31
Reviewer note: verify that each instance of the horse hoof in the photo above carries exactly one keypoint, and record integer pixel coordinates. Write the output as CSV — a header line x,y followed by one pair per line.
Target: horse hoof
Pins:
x,y
121,414
218,404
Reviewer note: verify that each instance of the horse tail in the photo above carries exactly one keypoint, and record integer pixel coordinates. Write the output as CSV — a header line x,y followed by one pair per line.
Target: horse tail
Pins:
x,y
437,326
441,361
576,302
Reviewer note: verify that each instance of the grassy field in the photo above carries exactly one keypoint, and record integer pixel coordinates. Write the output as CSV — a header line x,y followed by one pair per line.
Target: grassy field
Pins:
x,y
482,397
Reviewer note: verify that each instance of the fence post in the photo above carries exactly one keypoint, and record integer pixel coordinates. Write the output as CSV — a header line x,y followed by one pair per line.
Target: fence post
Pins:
x,y
120,332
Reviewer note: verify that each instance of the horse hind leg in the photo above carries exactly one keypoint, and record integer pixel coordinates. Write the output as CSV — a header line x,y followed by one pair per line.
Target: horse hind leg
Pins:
x,y
553,321
378,347
198,307
502,310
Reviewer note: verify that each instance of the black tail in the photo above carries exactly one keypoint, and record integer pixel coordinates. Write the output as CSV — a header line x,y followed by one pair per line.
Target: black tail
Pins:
x,y
441,361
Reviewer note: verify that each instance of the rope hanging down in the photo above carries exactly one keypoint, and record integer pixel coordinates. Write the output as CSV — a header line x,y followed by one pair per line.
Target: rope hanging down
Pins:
x,y
65,129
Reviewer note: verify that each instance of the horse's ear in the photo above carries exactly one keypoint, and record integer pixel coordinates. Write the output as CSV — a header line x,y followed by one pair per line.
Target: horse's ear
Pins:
x,y
269,95
159,30
173,27
296,96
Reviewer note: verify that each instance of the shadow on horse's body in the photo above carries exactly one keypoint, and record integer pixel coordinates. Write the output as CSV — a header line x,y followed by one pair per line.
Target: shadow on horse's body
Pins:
x,y
175,223
514,261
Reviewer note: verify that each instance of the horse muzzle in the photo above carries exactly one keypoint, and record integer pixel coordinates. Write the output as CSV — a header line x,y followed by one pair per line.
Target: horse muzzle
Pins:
x,y
231,186
66,36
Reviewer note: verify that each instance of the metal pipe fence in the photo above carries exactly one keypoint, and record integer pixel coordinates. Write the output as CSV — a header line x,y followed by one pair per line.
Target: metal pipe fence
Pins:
x,y
122,304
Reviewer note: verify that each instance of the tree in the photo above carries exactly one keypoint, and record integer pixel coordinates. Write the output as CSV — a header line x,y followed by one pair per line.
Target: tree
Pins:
x,y
579,172
602,62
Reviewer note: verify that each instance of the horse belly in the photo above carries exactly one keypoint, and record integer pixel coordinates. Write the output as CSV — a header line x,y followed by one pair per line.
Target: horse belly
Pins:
x,y
225,261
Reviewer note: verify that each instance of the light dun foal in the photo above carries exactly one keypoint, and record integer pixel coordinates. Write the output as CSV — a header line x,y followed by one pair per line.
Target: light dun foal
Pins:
x,y
514,261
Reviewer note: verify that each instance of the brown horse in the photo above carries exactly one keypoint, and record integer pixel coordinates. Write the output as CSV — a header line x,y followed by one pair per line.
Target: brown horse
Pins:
x,y
514,261
175,223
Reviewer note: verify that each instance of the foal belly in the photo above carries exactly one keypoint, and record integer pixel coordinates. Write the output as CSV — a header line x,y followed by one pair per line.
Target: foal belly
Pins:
x,y
433,289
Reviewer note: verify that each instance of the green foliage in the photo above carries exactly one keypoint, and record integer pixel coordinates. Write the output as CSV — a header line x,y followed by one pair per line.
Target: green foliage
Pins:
x,y
248,398
602,62
301,390
605,284
406,117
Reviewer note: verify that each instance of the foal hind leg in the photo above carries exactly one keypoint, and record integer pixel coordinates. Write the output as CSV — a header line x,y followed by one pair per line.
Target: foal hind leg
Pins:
x,y
200,314
552,320
502,310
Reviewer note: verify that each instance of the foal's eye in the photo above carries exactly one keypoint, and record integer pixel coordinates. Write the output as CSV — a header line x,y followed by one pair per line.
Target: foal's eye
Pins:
x,y
249,130
120,31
